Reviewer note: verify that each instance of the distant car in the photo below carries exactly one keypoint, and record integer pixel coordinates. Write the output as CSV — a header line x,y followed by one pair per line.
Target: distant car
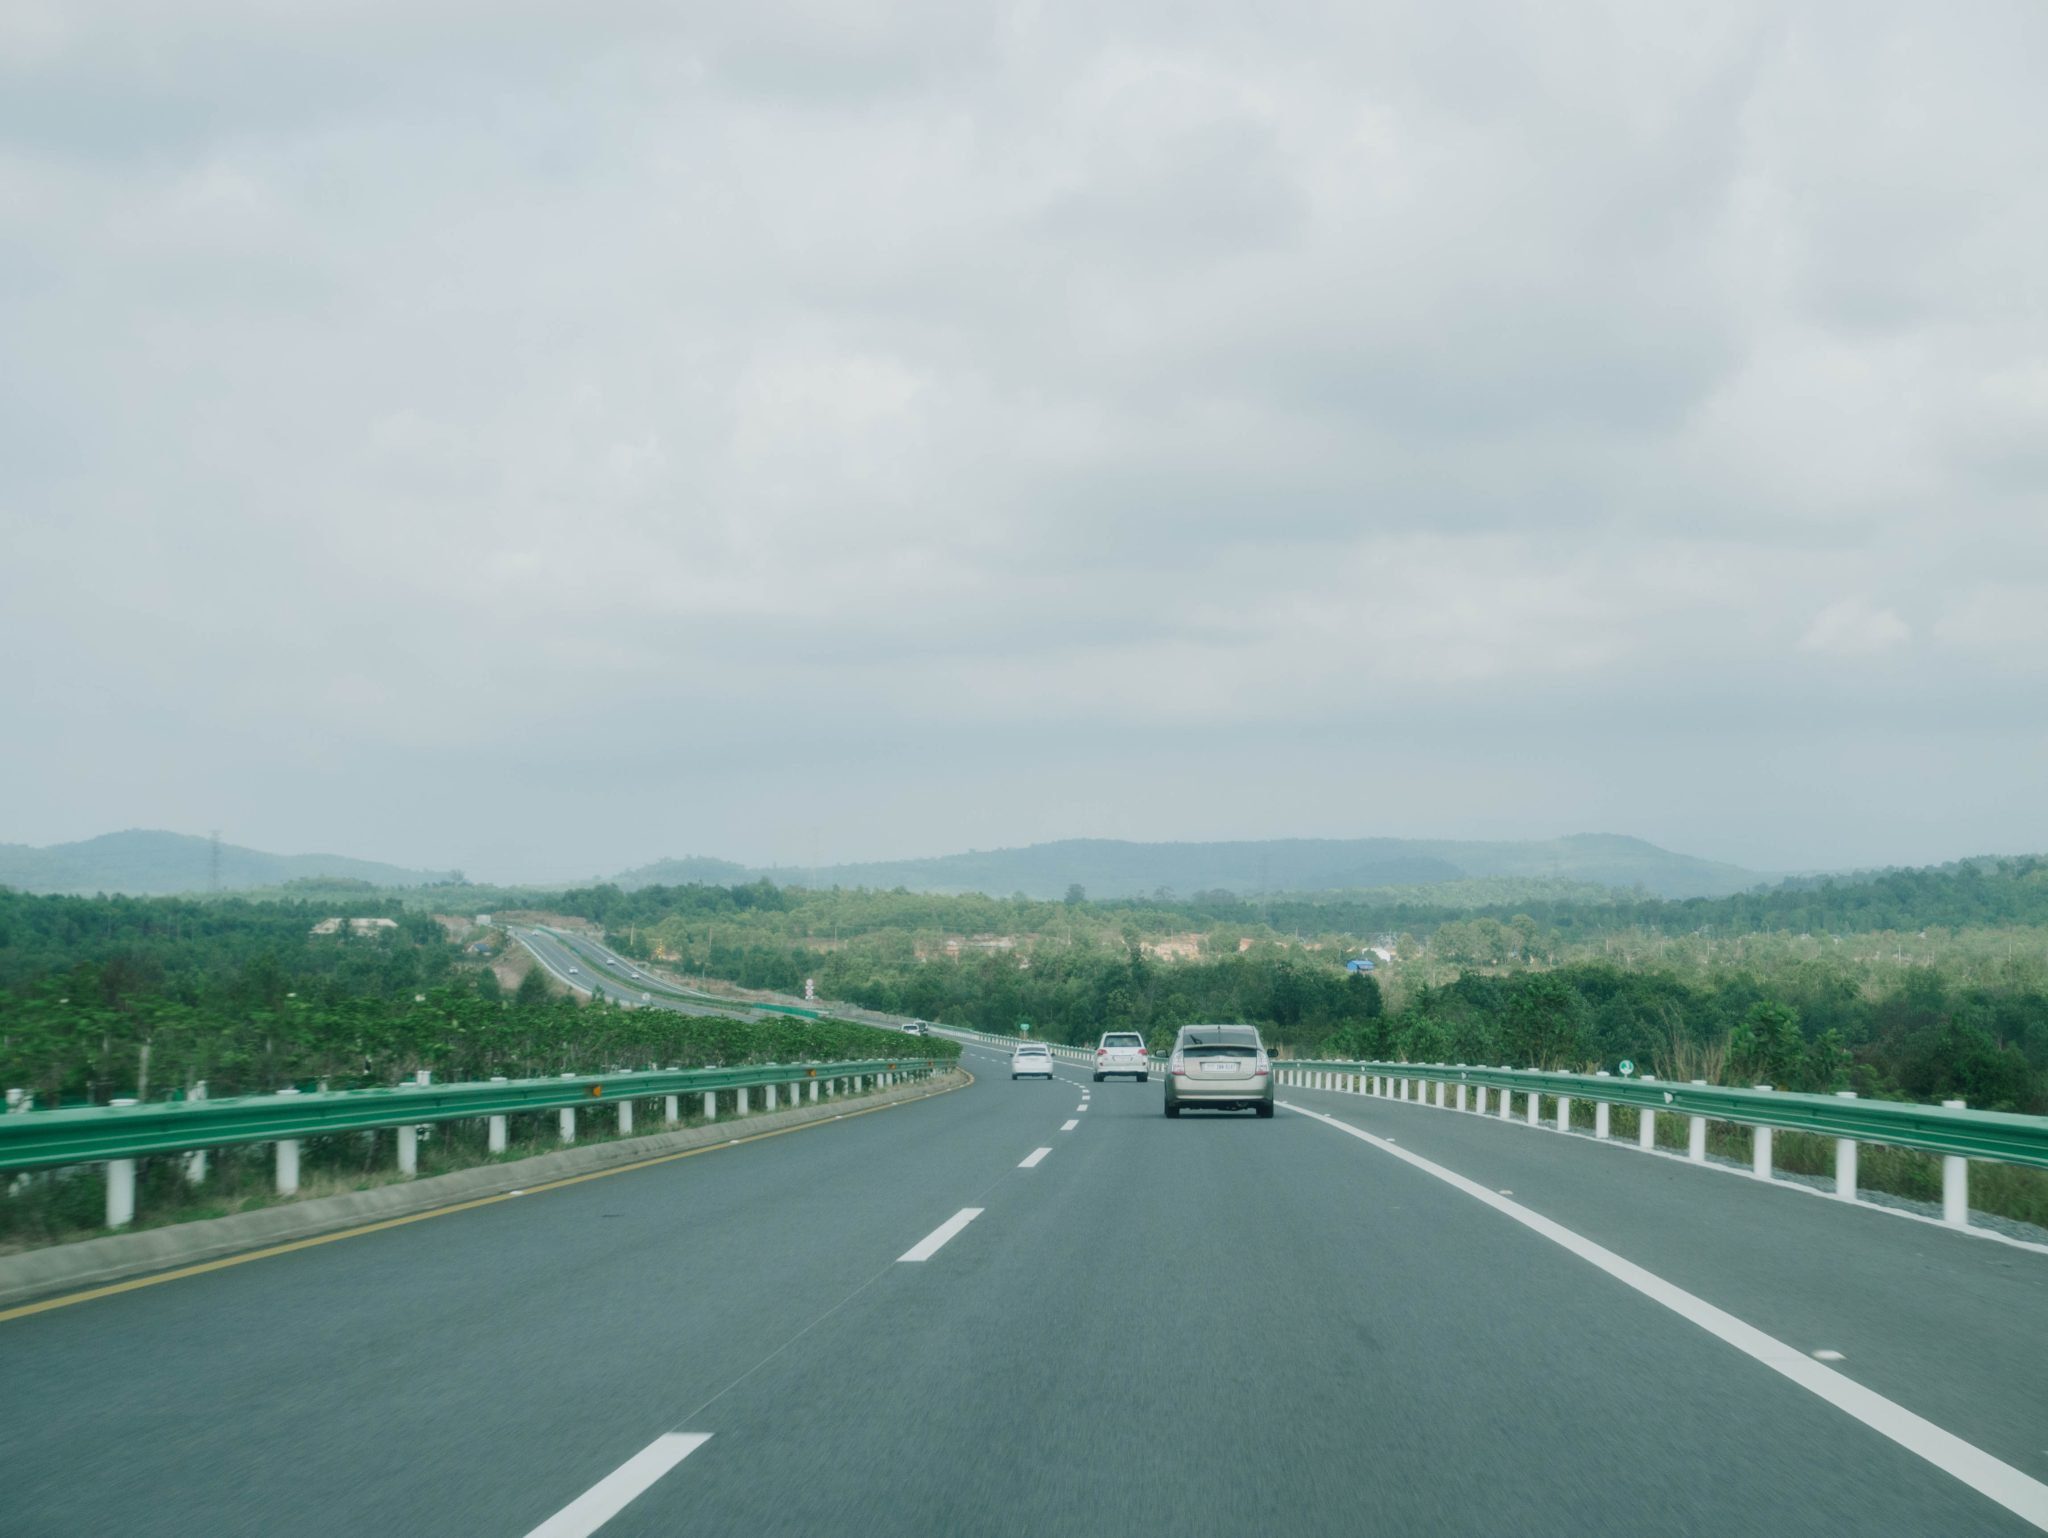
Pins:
x,y
1219,1068
1031,1061
572,971
915,1028
1122,1052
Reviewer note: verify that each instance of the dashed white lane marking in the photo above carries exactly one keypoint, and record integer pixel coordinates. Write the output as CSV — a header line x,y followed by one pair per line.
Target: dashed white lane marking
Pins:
x,y
2018,1493
1031,1159
935,1241
1080,1108
1071,1124
613,1493
1825,1355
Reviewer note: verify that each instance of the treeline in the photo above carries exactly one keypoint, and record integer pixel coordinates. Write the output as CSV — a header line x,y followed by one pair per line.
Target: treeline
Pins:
x,y
228,953
1925,1040
106,997
465,1029
1074,993
1989,893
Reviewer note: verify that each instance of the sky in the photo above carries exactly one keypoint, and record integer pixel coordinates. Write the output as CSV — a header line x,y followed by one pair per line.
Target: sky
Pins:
x,y
539,439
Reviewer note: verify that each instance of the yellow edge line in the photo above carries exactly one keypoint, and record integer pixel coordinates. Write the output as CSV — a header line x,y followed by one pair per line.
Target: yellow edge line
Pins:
x,y
22,1311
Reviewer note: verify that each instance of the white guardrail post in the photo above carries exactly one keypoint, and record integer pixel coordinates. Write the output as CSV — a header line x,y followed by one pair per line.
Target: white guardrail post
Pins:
x,y
1760,1147
1535,1108
1696,1141
121,1186
1955,1182
1600,1113
1646,1122
496,1135
1845,1158
1564,1113
195,1162
711,1105
288,1161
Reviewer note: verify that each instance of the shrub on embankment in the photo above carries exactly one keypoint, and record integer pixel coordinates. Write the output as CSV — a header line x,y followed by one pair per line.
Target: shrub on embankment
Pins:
x,y
106,997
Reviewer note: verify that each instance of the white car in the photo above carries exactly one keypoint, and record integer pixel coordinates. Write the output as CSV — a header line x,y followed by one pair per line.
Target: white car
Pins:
x,y
1121,1052
1031,1061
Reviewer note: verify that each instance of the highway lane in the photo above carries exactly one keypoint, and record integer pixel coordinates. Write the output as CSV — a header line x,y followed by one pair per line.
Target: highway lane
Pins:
x,y
469,1373
1947,1324
1211,1325
586,967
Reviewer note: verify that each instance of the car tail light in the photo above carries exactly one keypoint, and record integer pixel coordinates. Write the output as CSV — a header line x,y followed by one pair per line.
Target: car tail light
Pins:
x,y
1175,1064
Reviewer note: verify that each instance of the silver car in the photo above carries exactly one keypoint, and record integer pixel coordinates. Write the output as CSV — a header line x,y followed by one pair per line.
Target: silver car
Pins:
x,y
1219,1068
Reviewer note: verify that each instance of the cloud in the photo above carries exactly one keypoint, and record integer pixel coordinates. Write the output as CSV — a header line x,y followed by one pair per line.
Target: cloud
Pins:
x,y
1855,627
461,396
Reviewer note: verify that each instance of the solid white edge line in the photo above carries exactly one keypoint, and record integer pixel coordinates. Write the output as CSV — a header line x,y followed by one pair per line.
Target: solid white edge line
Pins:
x,y
1742,1172
618,1489
935,1241
1991,1477
1071,1125
1031,1159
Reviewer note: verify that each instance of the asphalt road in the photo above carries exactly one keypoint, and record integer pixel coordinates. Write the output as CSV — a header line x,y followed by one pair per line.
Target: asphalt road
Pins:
x,y
585,965
1214,1325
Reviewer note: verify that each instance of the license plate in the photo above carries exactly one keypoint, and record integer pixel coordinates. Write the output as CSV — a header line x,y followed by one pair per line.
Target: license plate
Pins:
x,y
1224,1067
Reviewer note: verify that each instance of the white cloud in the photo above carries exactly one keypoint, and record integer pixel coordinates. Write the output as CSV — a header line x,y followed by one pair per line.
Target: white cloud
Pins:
x,y
1855,627
941,374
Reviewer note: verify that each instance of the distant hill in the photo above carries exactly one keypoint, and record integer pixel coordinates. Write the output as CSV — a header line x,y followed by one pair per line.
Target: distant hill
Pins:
x,y
697,870
147,863
1108,868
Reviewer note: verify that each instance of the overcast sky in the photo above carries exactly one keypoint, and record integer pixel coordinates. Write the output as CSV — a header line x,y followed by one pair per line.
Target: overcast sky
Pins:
x,y
542,438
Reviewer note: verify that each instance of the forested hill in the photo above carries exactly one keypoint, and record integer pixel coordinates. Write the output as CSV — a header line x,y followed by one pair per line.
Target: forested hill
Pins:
x,y
1113,868
1979,893
147,862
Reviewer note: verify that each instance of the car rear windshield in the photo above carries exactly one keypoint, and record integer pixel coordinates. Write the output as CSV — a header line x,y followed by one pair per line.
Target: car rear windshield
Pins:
x,y
1029,1051
1238,1041
1116,1040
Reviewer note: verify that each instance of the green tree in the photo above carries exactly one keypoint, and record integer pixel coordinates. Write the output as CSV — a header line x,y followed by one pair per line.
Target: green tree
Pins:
x,y
1767,1047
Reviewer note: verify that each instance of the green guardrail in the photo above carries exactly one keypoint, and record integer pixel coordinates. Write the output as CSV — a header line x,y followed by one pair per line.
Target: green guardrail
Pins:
x,y
41,1139
2000,1136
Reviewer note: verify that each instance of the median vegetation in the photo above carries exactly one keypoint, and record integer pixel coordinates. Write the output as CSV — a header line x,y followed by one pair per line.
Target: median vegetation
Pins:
x,y
101,998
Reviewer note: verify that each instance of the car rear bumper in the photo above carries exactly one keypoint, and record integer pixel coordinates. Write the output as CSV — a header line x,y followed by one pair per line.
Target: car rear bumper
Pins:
x,y
1239,1094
